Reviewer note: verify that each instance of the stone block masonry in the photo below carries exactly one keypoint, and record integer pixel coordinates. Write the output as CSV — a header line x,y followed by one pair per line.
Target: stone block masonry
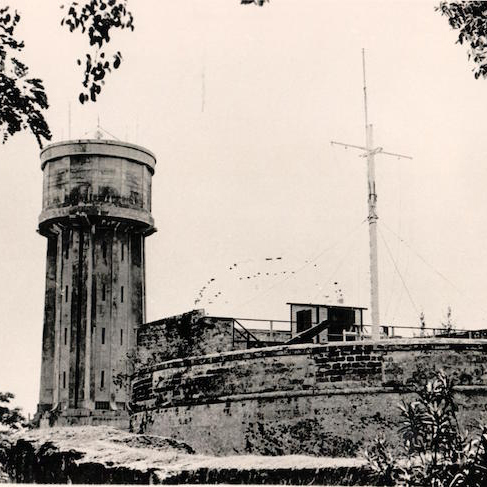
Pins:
x,y
314,399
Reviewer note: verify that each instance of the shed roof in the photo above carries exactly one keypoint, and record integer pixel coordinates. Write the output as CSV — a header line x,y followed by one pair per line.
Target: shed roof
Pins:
x,y
327,305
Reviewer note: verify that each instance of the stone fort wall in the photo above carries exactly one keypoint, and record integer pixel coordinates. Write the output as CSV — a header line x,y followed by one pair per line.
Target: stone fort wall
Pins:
x,y
185,335
313,399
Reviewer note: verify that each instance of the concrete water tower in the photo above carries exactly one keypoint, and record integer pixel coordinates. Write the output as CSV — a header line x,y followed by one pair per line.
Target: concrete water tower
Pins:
x,y
96,213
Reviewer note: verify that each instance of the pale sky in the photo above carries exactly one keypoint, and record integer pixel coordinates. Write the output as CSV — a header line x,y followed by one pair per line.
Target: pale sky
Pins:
x,y
245,170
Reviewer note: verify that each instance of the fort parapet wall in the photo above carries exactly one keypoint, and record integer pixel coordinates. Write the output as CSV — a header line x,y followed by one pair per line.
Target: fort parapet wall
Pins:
x,y
313,399
184,335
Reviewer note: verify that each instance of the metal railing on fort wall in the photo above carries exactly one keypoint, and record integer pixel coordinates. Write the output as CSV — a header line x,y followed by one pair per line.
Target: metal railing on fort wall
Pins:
x,y
244,336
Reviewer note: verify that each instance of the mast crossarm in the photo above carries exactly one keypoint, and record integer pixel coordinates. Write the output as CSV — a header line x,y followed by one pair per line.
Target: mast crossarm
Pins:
x,y
399,156
377,150
349,145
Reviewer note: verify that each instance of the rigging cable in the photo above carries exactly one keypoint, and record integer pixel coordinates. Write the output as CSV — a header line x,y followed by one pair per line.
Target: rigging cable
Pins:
x,y
397,270
337,268
422,259
306,264
399,301
442,276
398,255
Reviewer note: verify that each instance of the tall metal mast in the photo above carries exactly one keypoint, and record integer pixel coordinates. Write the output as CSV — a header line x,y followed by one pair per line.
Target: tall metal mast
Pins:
x,y
370,153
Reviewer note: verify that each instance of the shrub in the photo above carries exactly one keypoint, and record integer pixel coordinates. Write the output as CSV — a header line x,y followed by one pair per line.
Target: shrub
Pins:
x,y
436,452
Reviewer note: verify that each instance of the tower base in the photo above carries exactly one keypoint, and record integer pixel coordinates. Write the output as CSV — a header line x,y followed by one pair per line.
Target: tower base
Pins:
x,y
82,417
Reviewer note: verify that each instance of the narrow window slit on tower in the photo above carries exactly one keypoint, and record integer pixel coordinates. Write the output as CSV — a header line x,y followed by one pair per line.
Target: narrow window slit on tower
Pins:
x,y
65,336
123,251
104,249
121,294
103,336
66,294
64,380
103,292
121,337
102,380
66,238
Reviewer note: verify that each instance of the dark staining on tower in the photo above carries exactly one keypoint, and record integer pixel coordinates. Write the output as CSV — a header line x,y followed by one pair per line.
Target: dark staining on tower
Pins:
x,y
96,214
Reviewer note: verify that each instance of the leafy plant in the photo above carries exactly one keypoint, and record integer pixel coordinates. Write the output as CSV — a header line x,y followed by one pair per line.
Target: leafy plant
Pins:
x,y
470,19
422,327
448,324
12,418
256,2
122,379
97,18
22,99
381,459
436,452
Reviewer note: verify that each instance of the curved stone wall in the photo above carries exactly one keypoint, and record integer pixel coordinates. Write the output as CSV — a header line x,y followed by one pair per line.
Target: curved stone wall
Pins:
x,y
315,399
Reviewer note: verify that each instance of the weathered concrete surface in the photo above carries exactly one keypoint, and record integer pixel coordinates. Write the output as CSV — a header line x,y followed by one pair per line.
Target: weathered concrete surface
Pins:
x,y
181,336
107,455
87,417
311,399
95,214
104,177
